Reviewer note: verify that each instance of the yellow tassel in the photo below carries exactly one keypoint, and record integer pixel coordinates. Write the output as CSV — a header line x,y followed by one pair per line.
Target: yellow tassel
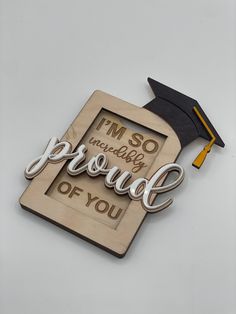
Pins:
x,y
202,156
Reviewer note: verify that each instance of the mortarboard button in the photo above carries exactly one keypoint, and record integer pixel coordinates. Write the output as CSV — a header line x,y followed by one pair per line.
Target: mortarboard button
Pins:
x,y
185,116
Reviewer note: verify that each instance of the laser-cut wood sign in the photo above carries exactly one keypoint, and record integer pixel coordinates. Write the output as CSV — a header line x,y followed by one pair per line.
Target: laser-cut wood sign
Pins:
x,y
100,180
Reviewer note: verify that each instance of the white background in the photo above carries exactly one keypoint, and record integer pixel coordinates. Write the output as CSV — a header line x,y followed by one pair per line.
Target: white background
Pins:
x,y
53,55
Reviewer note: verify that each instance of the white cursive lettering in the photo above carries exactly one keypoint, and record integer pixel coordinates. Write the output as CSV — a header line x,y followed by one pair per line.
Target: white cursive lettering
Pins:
x,y
140,189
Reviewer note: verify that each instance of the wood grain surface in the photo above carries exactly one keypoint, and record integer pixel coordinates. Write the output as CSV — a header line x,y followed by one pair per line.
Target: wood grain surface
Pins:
x,y
133,139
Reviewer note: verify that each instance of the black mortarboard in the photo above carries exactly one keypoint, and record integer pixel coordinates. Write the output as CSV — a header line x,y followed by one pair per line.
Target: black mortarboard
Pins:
x,y
185,116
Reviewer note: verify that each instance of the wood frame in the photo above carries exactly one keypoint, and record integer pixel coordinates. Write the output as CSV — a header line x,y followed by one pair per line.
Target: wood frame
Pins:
x,y
115,241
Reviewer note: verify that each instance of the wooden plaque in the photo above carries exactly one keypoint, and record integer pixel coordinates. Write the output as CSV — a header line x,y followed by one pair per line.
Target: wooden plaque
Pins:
x,y
134,139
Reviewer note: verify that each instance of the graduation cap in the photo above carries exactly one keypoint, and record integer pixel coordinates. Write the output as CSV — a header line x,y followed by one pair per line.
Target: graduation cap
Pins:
x,y
185,116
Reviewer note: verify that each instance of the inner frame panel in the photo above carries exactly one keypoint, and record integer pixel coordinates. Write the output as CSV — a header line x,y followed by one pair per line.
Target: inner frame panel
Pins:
x,y
127,145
